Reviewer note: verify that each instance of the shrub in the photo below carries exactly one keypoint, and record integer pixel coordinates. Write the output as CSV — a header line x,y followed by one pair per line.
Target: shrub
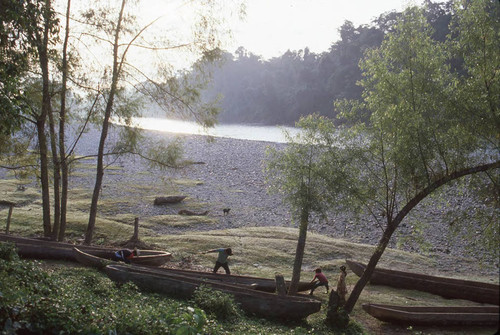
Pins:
x,y
8,251
220,305
81,300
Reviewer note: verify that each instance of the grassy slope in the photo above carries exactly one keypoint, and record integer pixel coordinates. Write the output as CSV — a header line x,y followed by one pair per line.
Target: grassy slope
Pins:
x,y
260,251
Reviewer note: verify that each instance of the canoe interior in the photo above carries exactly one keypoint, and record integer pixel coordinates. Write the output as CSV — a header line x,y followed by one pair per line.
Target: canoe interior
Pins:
x,y
257,283
358,268
435,316
441,309
254,302
43,249
446,287
91,260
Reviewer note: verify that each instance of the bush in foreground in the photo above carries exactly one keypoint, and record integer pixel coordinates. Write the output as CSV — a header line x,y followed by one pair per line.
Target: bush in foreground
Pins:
x,y
77,300
216,303
41,299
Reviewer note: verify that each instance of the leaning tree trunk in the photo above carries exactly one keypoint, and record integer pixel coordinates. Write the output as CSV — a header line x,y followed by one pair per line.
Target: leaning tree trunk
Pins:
x,y
104,133
370,267
299,253
393,224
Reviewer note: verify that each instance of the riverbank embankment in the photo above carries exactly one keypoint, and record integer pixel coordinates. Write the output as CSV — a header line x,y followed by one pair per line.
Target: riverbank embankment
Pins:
x,y
230,175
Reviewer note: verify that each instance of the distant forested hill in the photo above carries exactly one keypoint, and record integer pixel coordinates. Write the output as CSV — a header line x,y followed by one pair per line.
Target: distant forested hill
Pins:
x,y
280,90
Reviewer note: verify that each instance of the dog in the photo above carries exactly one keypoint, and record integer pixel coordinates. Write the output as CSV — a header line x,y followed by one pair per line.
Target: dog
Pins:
x,y
226,211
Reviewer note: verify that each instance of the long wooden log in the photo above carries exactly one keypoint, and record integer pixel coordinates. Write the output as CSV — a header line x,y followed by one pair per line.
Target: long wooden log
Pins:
x,y
172,199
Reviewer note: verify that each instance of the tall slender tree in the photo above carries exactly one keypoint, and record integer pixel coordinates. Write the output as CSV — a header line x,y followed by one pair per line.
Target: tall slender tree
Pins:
x,y
297,173
36,25
62,130
116,68
175,92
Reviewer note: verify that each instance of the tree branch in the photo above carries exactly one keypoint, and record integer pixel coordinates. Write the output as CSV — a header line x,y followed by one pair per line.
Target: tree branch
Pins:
x,y
440,182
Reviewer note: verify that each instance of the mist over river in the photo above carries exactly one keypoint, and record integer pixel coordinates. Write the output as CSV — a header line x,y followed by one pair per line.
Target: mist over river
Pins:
x,y
236,131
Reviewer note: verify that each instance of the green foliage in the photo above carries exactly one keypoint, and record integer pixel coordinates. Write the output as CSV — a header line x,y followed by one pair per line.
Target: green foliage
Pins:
x,y
165,155
475,38
82,300
301,82
17,46
413,131
219,304
419,135
419,129
8,252
297,172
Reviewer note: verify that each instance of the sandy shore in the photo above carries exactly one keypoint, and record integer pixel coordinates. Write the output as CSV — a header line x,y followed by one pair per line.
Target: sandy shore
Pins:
x,y
232,177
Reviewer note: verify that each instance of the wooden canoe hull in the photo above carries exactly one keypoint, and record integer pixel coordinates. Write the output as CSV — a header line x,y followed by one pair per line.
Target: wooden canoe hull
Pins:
x,y
256,283
88,259
259,303
43,249
435,316
446,287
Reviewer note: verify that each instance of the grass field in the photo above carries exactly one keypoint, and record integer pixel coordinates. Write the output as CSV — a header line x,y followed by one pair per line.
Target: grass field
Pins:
x,y
259,251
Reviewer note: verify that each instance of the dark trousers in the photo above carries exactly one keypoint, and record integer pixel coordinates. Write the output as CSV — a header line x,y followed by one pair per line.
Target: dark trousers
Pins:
x,y
224,266
118,257
318,284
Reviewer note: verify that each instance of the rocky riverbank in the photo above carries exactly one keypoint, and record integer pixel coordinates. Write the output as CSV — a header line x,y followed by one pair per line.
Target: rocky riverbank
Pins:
x,y
231,176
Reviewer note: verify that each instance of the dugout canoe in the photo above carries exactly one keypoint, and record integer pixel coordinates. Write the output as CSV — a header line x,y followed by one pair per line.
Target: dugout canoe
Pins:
x,y
99,259
435,316
263,304
44,249
256,283
450,288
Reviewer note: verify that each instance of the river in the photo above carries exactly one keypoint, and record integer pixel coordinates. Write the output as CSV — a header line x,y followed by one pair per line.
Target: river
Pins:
x,y
243,132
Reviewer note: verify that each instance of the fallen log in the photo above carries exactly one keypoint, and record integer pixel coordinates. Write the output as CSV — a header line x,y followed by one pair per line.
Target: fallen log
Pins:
x,y
188,212
173,199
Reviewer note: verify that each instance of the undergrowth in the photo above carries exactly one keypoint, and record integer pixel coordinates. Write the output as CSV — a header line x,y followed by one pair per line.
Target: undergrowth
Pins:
x,y
80,300
219,304
37,297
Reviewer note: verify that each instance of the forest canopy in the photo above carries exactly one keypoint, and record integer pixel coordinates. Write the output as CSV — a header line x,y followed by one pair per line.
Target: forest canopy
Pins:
x,y
281,90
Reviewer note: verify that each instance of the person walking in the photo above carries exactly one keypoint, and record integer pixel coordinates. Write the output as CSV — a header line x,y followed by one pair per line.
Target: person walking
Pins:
x,y
224,253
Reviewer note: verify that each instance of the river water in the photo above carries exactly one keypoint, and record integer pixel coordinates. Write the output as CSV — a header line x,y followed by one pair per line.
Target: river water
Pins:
x,y
243,132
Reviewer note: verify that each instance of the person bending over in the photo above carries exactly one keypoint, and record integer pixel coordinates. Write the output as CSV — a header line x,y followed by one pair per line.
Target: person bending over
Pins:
x,y
125,255
319,280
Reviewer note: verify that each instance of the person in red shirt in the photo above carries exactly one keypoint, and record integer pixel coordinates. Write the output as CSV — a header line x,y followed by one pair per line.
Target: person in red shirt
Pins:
x,y
321,281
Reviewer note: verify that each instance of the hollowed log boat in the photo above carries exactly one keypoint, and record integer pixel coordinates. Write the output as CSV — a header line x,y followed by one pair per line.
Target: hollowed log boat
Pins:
x,y
263,304
435,316
44,249
256,283
451,288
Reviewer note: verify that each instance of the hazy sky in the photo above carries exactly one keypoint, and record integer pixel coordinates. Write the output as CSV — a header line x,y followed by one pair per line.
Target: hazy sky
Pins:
x,y
272,27
269,29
